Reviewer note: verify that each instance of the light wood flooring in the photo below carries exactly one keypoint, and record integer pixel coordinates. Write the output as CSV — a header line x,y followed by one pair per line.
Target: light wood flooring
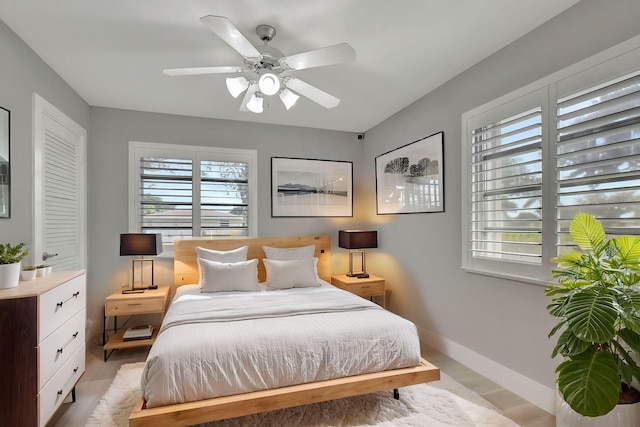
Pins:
x,y
98,376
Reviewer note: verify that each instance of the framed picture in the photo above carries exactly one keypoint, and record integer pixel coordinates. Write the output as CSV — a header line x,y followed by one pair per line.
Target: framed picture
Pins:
x,y
5,171
309,188
410,179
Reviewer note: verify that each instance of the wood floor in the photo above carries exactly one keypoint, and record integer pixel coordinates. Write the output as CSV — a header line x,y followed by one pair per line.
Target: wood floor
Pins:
x,y
98,377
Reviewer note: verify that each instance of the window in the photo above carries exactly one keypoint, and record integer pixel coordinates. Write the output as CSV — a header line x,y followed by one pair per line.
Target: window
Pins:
x,y
506,188
183,191
533,159
598,157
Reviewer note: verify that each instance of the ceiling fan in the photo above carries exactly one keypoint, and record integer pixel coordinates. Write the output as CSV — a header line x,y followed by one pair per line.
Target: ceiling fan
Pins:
x,y
268,67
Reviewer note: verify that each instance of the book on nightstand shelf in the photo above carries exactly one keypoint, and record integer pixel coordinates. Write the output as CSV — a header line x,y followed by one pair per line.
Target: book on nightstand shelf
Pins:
x,y
138,333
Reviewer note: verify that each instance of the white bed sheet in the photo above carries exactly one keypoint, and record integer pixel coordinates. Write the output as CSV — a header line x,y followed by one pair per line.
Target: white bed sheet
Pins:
x,y
283,338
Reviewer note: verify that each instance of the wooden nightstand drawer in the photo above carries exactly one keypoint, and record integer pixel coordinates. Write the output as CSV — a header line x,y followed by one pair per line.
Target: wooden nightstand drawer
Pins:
x,y
366,289
134,306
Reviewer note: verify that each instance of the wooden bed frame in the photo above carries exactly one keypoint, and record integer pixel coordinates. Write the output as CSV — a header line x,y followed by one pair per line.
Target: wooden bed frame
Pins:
x,y
190,413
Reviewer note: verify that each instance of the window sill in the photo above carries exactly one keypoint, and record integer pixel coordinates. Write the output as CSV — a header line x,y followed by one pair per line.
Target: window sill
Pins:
x,y
521,279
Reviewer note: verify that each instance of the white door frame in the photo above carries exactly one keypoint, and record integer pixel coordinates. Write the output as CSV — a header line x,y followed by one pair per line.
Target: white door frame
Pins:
x,y
42,108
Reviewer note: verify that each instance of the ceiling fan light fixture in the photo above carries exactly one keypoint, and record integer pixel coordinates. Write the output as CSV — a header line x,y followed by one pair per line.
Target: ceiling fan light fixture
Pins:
x,y
237,85
288,98
269,84
255,104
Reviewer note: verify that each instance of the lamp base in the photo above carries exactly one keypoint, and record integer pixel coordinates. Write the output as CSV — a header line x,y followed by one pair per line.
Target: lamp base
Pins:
x,y
358,275
133,291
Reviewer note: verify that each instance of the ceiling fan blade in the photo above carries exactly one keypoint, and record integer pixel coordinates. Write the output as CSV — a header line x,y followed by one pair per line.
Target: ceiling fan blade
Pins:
x,y
194,71
224,29
312,92
330,55
253,88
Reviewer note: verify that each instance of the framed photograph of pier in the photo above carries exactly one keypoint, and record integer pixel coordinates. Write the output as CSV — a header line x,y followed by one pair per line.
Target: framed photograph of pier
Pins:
x,y
410,179
311,188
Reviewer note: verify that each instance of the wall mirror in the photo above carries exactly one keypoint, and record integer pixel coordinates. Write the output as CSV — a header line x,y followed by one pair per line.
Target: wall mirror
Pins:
x,y
5,174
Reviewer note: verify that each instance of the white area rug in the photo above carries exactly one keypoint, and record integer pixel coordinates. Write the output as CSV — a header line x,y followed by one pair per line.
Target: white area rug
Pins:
x,y
441,403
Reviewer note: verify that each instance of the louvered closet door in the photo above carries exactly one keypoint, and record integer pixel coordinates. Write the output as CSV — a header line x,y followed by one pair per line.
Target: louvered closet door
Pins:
x,y
60,148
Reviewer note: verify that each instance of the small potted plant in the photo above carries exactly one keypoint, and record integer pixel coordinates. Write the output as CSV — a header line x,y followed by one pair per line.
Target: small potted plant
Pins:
x,y
10,258
28,273
598,303
42,270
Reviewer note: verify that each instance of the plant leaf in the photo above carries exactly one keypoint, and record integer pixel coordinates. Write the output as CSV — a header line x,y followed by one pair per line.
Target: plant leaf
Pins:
x,y
628,249
627,367
570,345
631,338
589,382
587,232
591,315
629,301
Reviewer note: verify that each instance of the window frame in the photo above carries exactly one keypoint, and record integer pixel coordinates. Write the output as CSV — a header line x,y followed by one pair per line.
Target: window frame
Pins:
x,y
605,66
138,149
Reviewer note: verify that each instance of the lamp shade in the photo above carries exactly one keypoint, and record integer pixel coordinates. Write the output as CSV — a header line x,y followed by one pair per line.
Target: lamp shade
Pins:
x,y
357,239
140,244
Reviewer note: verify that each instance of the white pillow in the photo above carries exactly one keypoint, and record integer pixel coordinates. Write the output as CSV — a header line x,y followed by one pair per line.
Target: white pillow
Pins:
x,y
228,276
283,254
295,273
235,255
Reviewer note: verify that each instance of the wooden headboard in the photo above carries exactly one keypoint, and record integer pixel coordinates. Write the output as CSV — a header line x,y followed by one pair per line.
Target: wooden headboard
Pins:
x,y
185,266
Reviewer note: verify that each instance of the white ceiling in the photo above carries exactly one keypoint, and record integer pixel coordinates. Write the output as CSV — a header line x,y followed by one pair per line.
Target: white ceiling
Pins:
x,y
112,52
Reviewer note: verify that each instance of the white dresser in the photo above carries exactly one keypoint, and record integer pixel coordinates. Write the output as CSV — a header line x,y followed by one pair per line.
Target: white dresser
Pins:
x,y
42,346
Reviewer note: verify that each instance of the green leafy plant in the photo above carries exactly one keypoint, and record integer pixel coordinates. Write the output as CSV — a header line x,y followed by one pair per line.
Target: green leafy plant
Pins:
x,y
598,304
29,268
10,254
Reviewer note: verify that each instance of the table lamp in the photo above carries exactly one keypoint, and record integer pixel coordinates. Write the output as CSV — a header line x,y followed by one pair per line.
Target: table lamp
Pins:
x,y
140,244
356,241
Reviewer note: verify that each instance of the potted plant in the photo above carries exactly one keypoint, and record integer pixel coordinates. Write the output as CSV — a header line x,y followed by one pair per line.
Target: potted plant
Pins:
x,y
28,272
597,300
10,259
43,270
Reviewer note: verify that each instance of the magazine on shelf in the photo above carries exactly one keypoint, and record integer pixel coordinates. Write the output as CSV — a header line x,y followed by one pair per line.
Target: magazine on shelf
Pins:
x,y
138,333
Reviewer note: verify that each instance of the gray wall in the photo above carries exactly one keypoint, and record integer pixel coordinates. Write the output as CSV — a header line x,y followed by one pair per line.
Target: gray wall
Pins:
x,y
22,72
502,320
111,131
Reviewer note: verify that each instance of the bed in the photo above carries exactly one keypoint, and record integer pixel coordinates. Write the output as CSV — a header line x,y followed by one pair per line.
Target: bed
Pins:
x,y
190,379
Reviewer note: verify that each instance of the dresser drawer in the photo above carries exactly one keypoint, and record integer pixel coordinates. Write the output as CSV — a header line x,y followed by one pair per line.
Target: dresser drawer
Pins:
x,y
55,391
134,306
366,289
58,347
59,304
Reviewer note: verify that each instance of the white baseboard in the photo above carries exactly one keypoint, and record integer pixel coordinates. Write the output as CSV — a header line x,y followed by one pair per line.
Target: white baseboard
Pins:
x,y
536,393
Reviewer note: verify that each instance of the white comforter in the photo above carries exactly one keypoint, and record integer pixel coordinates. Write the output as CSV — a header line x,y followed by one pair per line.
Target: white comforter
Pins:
x,y
218,344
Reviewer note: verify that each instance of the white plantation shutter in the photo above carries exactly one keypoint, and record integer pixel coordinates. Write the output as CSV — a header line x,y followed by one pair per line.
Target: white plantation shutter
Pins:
x,y
184,191
598,157
506,188
224,195
61,202
166,196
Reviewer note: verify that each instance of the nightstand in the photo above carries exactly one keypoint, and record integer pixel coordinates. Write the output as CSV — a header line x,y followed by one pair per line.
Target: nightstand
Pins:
x,y
370,287
118,304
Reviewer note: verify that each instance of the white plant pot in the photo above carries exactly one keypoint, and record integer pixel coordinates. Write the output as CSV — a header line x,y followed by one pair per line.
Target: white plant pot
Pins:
x,y
9,275
620,416
27,275
41,271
